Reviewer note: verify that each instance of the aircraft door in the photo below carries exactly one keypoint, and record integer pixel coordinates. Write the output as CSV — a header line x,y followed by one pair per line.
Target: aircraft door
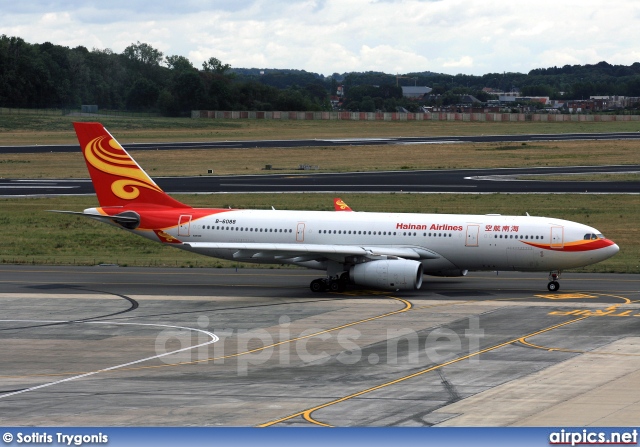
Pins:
x,y
300,232
184,225
472,235
557,237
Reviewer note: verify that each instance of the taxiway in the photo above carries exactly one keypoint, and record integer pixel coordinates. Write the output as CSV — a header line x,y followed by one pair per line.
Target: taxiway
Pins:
x,y
126,346
466,181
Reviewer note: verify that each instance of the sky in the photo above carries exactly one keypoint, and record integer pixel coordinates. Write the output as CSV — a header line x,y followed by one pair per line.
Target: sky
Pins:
x,y
329,36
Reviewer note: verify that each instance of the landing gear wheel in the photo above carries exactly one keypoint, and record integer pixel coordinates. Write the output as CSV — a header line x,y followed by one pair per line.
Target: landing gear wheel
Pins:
x,y
335,286
553,286
318,285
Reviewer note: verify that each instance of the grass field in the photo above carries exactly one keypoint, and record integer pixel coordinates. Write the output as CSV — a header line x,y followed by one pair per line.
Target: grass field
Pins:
x,y
337,159
34,129
31,235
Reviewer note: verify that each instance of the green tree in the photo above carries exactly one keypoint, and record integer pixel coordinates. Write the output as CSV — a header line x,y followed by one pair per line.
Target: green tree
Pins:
x,y
292,100
214,65
167,104
179,63
367,104
142,95
143,53
188,91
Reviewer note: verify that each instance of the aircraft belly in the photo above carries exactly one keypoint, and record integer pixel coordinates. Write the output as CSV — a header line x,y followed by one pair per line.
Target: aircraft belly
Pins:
x,y
215,253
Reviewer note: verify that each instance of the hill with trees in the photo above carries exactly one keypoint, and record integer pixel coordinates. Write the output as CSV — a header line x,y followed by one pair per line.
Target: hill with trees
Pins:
x,y
142,78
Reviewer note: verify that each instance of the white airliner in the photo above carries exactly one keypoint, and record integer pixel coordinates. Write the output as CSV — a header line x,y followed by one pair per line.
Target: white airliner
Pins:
x,y
381,250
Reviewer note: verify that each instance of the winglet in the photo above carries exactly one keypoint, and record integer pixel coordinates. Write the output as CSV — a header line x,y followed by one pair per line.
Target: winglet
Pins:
x,y
117,179
339,205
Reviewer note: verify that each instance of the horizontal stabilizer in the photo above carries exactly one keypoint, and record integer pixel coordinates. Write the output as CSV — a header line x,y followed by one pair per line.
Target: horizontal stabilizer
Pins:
x,y
128,219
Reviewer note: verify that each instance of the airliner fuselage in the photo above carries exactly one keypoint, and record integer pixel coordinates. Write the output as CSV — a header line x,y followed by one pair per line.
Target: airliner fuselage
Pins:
x,y
445,244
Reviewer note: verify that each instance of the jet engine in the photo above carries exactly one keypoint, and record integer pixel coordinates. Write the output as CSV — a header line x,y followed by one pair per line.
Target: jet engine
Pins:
x,y
394,274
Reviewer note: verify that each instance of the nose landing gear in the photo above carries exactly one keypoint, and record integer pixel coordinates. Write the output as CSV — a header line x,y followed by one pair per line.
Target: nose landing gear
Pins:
x,y
554,285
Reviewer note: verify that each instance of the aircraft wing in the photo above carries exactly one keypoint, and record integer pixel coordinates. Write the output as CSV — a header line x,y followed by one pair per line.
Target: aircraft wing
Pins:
x,y
284,252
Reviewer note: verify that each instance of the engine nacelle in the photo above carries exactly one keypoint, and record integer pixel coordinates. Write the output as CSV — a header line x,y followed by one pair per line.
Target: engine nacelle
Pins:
x,y
392,274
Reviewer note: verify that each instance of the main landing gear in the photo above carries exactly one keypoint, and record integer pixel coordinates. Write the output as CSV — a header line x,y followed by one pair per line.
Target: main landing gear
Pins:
x,y
335,284
554,285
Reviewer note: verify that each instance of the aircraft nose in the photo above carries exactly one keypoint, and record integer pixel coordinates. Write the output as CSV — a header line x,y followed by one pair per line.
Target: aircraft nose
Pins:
x,y
612,249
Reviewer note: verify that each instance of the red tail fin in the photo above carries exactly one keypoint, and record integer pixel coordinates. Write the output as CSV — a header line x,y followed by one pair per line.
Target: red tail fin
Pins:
x,y
339,205
117,178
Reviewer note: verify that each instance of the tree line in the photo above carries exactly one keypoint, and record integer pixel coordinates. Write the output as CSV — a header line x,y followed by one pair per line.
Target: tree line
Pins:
x,y
142,78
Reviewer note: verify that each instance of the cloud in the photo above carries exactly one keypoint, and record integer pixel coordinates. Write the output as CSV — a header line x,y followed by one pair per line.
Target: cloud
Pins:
x,y
464,61
326,36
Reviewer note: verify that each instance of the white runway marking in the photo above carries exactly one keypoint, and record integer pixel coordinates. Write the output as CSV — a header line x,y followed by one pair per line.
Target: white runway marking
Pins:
x,y
214,338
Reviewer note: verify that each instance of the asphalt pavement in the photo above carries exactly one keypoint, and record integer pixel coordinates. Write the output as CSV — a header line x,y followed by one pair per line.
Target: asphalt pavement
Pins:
x,y
468,181
243,144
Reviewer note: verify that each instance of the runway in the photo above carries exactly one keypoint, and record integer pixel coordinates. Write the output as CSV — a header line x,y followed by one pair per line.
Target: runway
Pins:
x,y
328,142
96,346
469,181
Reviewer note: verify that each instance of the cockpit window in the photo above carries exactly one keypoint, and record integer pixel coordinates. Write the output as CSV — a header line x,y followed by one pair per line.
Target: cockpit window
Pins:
x,y
593,237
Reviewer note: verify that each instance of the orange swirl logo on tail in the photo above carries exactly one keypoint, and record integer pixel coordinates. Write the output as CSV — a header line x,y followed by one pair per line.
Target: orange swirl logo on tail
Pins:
x,y
111,158
339,205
